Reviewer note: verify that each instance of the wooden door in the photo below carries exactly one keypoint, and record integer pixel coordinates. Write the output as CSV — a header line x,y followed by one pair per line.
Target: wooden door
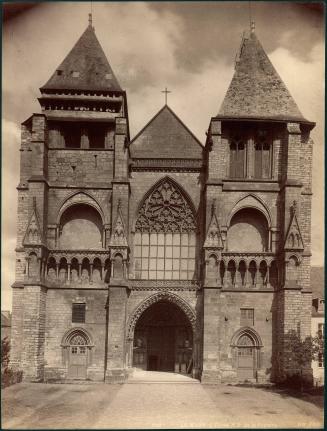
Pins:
x,y
161,349
245,366
167,357
77,362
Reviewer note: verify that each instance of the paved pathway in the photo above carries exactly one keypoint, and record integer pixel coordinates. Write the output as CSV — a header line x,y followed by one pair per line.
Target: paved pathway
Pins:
x,y
173,402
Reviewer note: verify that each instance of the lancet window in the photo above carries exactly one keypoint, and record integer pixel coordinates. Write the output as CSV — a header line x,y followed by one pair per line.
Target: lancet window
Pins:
x,y
165,234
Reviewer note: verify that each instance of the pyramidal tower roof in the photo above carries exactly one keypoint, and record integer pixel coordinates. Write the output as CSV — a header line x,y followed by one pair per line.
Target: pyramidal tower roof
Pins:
x,y
86,67
256,90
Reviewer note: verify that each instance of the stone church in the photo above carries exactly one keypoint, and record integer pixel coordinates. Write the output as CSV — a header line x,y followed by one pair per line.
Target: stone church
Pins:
x,y
159,252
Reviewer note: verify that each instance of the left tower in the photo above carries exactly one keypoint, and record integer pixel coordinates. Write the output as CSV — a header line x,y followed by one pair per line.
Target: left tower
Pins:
x,y
73,186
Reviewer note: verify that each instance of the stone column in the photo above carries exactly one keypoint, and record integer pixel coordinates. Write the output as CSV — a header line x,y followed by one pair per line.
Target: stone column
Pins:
x,y
91,272
250,158
102,271
246,281
84,138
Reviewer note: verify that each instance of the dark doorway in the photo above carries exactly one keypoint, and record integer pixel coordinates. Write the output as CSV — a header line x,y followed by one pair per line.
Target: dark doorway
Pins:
x,y
163,340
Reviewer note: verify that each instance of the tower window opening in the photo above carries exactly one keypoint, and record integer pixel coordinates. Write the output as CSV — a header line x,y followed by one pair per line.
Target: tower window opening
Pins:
x,y
96,136
59,72
72,135
262,155
237,158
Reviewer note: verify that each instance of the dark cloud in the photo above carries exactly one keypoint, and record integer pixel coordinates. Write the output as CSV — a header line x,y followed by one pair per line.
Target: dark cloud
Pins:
x,y
16,9
206,30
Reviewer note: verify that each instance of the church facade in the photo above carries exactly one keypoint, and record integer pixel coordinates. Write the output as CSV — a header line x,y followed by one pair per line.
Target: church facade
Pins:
x,y
158,252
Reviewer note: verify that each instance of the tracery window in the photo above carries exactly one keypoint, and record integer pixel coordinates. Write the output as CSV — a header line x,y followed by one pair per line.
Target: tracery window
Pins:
x,y
78,344
165,233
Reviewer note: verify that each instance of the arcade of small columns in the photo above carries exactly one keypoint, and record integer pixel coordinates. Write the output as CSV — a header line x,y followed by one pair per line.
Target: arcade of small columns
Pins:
x,y
246,270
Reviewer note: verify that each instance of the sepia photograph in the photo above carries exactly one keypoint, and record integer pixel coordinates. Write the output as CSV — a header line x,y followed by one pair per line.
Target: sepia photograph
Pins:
x,y
163,187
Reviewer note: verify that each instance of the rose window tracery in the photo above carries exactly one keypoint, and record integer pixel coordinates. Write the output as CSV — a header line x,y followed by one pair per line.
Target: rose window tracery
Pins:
x,y
165,210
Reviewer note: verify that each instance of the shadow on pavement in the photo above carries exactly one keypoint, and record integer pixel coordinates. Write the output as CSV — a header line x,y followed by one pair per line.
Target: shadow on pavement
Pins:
x,y
312,395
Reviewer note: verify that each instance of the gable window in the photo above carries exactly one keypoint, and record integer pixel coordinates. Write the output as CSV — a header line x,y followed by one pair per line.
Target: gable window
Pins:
x,y
78,313
247,317
237,158
165,232
262,155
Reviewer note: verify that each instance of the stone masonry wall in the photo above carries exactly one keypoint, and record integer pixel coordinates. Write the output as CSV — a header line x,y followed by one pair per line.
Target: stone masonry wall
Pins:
x,y
33,333
80,167
59,322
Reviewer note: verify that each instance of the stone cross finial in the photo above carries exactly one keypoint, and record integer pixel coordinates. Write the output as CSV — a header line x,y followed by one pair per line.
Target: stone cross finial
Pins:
x,y
252,26
119,204
90,19
34,202
294,207
166,93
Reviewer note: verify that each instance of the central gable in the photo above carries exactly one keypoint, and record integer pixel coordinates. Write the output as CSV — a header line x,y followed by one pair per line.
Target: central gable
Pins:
x,y
166,137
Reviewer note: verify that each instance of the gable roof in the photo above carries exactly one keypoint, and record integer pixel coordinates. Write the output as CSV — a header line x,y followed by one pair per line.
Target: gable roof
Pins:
x,y
90,62
256,90
165,136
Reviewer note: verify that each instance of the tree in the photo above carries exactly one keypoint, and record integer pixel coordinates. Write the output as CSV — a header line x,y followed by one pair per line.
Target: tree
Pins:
x,y
302,355
318,347
5,353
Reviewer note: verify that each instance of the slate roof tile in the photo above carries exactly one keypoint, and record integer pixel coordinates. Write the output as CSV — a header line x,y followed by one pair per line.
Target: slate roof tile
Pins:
x,y
166,137
256,90
86,67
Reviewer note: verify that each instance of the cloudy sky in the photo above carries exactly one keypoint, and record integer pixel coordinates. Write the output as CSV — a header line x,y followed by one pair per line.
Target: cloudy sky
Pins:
x,y
189,47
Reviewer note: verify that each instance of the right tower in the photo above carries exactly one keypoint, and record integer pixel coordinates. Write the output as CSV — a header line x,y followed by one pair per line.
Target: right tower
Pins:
x,y
257,225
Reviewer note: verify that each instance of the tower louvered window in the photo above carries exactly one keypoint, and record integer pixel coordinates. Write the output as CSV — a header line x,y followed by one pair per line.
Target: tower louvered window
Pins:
x,y
237,158
262,155
165,235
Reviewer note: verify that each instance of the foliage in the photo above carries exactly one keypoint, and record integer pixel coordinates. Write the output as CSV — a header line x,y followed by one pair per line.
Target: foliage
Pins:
x,y
300,354
8,375
5,350
318,347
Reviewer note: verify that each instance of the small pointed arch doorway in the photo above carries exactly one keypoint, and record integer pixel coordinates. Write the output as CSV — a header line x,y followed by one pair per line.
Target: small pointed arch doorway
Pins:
x,y
163,337
77,351
247,351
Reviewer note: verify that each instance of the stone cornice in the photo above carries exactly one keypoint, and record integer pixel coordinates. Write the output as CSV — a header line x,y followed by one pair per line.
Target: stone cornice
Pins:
x,y
166,164
168,284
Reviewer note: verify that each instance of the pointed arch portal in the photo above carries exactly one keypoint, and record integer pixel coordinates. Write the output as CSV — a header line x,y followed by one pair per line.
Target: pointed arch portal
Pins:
x,y
161,332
